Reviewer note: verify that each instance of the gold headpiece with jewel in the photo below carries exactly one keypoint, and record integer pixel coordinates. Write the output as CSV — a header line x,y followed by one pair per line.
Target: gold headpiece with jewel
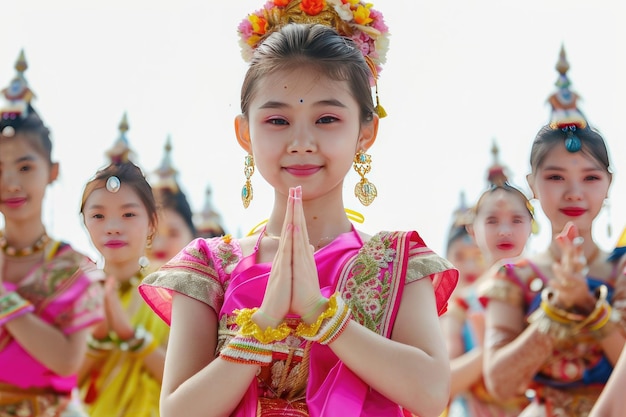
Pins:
x,y
353,19
16,99
497,177
121,152
564,103
166,173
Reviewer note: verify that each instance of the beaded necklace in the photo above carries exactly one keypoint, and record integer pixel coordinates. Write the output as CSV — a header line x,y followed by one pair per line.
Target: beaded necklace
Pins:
x,y
29,250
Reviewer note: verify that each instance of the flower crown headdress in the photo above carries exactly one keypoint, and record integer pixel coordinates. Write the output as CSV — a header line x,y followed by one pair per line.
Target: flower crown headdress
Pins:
x,y
565,113
353,19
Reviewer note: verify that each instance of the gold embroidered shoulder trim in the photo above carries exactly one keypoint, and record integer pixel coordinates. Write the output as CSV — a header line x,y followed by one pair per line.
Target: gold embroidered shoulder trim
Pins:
x,y
426,265
502,290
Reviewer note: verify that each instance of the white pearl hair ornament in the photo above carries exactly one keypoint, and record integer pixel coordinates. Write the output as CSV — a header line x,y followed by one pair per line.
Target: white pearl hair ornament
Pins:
x,y
113,184
8,132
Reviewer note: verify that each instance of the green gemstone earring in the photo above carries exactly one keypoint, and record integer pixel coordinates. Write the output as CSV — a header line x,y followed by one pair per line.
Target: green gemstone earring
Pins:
x,y
246,191
364,190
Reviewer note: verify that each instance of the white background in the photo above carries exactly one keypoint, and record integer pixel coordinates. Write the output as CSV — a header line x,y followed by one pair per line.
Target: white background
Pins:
x,y
459,75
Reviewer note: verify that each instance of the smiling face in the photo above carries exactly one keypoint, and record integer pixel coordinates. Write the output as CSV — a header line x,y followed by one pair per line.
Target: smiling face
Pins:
x,y
24,175
118,224
502,225
304,128
570,187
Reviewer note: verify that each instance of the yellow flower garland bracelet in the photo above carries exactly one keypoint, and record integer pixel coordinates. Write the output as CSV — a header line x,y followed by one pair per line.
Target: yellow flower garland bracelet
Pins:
x,y
253,346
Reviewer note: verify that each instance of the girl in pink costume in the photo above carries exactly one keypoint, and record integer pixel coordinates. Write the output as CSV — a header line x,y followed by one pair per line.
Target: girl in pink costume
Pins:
x,y
308,316
50,294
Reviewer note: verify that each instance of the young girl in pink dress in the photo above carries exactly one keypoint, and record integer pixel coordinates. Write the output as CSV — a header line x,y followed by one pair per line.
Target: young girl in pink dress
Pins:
x,y
50,294
307,316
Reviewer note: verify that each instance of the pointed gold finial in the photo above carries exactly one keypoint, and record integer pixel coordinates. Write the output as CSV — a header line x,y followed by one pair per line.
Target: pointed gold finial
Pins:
x,y
123,127
21,65
562,66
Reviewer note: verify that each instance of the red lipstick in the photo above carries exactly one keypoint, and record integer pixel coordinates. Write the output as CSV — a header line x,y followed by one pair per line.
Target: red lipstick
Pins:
x,y
573,211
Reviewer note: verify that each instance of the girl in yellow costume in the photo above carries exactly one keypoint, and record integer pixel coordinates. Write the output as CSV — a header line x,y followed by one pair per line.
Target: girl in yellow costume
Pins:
x,y
123,371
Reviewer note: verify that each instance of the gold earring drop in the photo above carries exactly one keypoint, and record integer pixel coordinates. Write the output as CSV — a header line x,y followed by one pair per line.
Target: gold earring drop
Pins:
x,y
246,191
364,190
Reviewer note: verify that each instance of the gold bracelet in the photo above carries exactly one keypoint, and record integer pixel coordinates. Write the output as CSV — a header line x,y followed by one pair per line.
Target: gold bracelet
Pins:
x,y
556,330
556,313
12,306
602,293
247,327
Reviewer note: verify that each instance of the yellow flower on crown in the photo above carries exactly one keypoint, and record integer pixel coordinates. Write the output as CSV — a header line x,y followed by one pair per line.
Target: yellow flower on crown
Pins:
x,y
362,15
353,19
259,24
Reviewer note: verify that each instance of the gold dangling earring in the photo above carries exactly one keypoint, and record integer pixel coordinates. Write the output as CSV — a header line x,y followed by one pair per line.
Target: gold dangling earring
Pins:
x,y
143,260
246,191
364,190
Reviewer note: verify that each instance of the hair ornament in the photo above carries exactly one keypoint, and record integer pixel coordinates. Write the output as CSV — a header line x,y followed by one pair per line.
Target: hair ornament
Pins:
x,y
572,142
565,113
16,99
113,184
209,220
354,19
166,172
498,178
496,174
8,131
121,152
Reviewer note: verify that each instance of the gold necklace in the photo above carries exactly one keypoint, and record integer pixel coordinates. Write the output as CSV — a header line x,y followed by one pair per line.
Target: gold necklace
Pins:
x,y
134,281
29,250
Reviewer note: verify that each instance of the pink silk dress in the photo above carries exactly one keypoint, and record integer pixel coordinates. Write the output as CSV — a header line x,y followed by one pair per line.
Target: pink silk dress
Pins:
x,y
306,379
67,294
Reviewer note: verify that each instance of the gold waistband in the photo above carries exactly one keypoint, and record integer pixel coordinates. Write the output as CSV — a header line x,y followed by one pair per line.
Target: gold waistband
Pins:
x,y
576,401
274,407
